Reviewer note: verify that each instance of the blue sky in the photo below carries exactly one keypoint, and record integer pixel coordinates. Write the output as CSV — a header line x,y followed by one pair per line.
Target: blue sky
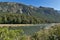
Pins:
x,y
46,3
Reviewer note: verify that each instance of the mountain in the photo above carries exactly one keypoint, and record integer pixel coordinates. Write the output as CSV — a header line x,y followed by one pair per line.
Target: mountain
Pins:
x,y
47,14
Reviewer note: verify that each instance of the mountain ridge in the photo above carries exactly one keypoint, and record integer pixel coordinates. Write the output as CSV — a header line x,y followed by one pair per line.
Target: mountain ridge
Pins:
x,y
44,13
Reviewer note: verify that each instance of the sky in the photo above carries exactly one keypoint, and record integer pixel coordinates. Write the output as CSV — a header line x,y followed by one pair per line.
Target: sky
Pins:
x,y
45,3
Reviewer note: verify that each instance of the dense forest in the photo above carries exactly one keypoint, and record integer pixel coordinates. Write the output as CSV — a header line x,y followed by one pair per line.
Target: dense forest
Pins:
x,y
14,18
52,33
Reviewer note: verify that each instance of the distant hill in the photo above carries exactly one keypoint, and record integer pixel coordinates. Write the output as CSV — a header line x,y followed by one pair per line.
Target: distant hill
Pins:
x,y
47,14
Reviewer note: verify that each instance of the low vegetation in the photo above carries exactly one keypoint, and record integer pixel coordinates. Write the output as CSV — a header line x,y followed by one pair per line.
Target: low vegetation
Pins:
x,y
8,34
52,33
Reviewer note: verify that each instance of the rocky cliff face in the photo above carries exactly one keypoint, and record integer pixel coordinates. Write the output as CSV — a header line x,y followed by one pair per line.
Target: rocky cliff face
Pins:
x,y
21,8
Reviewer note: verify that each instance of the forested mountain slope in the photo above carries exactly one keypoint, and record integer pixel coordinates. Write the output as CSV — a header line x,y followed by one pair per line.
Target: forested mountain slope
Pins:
x,y
43,14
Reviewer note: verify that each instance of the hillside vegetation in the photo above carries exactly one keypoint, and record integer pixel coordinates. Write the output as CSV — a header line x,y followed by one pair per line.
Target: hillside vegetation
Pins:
x,y
29,13
13,18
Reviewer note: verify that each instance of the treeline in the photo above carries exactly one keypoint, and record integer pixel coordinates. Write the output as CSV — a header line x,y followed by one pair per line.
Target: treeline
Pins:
x,y
14,18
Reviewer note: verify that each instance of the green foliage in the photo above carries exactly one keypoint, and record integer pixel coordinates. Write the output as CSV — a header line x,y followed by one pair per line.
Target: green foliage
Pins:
x,y
48,34
45,14
13,18
9,34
